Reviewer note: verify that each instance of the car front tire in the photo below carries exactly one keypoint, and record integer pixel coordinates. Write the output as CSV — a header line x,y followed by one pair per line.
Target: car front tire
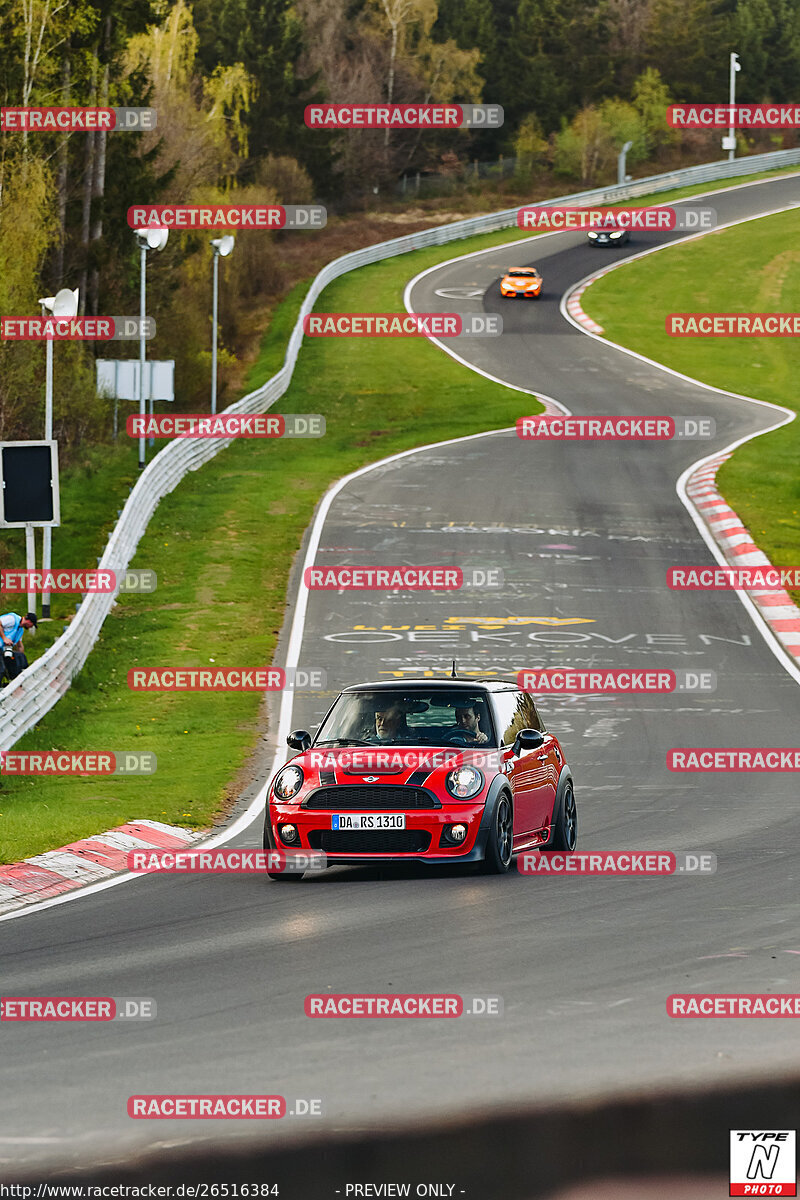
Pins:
x,y
565,832
497,857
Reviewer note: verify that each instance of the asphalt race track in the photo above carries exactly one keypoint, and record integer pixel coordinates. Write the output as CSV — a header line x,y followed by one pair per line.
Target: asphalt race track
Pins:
x,y
584,533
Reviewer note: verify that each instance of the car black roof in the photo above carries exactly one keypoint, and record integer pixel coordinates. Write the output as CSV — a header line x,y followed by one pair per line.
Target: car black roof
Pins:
x,y
487,684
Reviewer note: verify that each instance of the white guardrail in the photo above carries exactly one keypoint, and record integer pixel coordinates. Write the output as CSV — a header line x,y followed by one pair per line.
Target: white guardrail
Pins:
x,y
25,701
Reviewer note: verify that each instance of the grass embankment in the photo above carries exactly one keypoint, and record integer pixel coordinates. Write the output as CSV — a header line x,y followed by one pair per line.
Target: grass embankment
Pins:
x,y
222,545
753,267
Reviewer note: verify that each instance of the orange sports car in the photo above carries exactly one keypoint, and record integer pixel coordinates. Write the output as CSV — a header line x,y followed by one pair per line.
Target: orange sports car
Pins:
x,y
522,281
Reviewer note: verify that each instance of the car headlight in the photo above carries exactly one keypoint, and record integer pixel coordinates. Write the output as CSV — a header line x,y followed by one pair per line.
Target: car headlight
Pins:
x,y
288,782
592,235
464,782
617,233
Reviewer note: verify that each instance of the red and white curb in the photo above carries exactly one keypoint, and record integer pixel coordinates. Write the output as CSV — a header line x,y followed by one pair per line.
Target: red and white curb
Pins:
x,y
735,541
552,408
576,311
88,861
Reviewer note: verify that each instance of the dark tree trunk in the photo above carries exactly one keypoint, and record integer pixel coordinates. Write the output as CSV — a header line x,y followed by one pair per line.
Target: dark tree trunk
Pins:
x,y
62,172
99,182
88,188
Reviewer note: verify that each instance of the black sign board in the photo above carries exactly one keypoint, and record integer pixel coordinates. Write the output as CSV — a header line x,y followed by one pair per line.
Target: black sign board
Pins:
x,y
29,484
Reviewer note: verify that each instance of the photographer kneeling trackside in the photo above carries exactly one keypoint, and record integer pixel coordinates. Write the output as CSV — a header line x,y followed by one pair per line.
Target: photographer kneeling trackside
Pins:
x,y
12,627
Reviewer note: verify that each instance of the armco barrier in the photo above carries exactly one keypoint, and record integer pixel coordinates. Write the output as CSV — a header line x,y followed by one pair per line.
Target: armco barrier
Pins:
x,y
517,1154
35,692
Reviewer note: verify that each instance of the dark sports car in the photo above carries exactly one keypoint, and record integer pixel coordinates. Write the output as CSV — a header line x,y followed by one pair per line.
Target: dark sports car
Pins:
x,y
608,236
450,771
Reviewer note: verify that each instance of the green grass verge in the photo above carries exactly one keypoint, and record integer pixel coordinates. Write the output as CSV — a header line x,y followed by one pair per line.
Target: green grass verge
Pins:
x,y
273,344
222,546
753,267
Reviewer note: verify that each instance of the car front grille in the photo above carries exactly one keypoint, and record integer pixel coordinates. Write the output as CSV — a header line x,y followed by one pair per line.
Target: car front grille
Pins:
x,y
354,796
369,841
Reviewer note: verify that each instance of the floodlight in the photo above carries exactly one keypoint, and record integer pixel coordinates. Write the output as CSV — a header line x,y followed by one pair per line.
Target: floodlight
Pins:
x,y
151,239
157,238
223,245
63,304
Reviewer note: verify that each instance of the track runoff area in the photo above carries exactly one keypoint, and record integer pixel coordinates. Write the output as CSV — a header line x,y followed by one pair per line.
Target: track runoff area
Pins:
x,y
578,969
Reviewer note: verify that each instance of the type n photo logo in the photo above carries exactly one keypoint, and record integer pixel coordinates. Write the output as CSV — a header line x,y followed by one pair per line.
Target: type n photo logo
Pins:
x,y
763,1162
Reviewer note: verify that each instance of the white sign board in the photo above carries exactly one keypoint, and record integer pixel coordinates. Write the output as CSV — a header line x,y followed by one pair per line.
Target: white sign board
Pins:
x,y
118,379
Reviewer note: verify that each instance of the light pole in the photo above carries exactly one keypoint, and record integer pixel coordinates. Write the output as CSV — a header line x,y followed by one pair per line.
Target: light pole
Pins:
x,y
621,176
63,304
731,141
220,246
147,239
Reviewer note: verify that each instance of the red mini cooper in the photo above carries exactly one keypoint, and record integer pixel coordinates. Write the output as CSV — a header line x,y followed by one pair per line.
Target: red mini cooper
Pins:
x,y
448,771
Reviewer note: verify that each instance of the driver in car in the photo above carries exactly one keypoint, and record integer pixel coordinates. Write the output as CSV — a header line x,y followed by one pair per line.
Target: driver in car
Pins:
x,y
468,720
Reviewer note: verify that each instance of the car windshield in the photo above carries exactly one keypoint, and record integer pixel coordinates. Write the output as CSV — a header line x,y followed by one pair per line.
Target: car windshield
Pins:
x,y
522,271
402,717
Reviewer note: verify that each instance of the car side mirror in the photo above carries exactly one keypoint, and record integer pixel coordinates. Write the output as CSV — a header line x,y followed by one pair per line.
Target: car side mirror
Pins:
x,y
528,739
299,739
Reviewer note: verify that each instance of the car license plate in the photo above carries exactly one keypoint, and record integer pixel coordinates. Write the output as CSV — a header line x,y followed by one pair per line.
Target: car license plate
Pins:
x,y
368,821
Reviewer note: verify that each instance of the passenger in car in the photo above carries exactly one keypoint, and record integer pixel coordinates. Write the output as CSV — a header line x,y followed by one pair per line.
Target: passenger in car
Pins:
x,y
390,722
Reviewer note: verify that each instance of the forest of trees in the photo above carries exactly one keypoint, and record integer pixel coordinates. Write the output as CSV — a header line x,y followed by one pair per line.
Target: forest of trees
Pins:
x,y
230,80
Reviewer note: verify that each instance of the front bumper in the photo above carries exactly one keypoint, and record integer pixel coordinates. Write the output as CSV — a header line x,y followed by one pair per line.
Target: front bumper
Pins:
x,y
420,841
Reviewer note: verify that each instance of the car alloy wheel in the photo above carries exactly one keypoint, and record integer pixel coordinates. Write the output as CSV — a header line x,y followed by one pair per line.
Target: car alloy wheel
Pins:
x,y
570,819
566,830
499,846
504,833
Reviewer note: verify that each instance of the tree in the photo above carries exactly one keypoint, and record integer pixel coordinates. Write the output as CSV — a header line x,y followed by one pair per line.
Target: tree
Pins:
x,y
651,96
400,18
471,25
347,63
26,230
266,38
555,60
474,24
766,34
628,25
530,148
587,148
685,43
202,122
